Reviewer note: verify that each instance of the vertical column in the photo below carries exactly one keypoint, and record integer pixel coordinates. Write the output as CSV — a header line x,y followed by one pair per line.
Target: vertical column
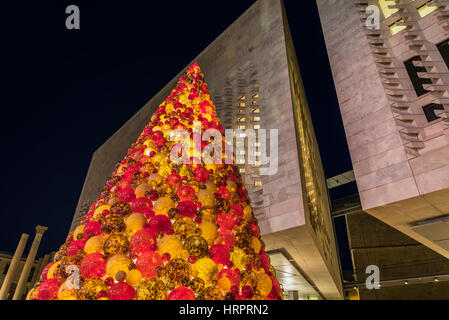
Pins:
x,y
44,263
36,273
12,271
29,262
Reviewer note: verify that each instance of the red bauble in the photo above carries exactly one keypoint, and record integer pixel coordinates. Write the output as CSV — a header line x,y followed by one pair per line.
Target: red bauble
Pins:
x,y
181,293
76,246
201,174
276,290
174,180
237,210
93,266
187,209
185,193
255,231
121,291
92,228
220,254
228,237
48,290
45,271
159,223
141,241
148,262
127,194
142,205
225,221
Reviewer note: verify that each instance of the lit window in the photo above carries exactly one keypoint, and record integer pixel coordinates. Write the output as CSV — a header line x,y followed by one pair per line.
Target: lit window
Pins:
x,y
242,119
385,9
258,183
257,144
257,154
257,163
255,102
242,127
256,119
242,135
242,152
243,98
256,110
242,170
242,104
257,126
425,9
241,111
394,28
242,161
255,96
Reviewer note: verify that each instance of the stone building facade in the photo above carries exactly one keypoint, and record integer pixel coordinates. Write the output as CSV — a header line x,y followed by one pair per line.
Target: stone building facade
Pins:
x,y
392,82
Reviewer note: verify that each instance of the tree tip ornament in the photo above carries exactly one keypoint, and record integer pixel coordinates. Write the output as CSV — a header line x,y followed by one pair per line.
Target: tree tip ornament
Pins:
x,y
164,230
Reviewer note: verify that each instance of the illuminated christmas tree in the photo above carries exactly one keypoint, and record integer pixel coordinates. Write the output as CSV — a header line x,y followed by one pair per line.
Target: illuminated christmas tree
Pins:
x,y
163,229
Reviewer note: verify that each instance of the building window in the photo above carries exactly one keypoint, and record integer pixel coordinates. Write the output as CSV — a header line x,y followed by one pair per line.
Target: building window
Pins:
x,y
413,74
242,127
429,111
242,119
444,51
256,119
242,170
256,110
257,127
255,96
241,111
242,104
242,98
385,9
425,9
395,28
257,183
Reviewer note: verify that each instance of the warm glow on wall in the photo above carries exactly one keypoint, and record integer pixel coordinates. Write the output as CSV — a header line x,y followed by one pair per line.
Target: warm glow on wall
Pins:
x,y
394,28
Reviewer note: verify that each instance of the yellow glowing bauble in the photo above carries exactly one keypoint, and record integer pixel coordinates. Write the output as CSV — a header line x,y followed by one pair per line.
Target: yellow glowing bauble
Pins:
x,y
32,294
78,233
231,186
154,179
99,211
211,187
162,205
142,189
264,284
66,294
206,198
238,258
134,223
206,269
134,277
247,213
159,159
119,262
165,170
94,244
209,231
53,271
224,284
172,245
256,244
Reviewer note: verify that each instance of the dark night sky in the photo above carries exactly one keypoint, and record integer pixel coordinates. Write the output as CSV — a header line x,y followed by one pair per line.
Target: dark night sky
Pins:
x,y
64,92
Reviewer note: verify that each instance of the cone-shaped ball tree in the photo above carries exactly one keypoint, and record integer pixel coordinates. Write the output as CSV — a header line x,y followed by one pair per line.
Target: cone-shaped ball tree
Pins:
x,y
165,229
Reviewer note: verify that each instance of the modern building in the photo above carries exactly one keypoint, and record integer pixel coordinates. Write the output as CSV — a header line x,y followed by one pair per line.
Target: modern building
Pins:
x,y
254,79
390,62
